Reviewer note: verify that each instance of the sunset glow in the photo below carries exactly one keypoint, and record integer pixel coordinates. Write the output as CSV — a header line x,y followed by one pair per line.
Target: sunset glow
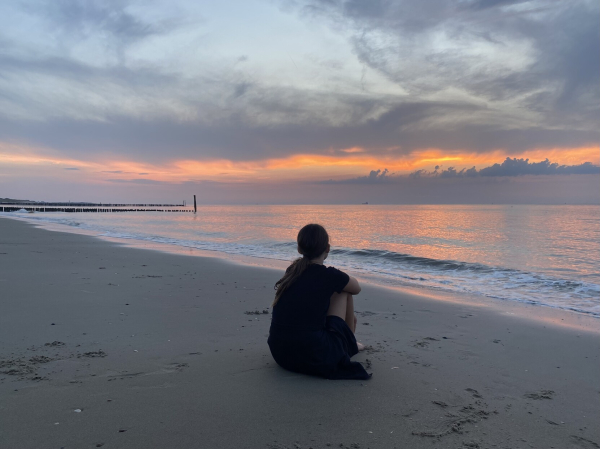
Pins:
x,y
308,167
103,106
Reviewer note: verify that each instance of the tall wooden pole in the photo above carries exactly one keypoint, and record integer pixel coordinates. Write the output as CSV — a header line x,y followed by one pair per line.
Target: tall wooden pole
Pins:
x,y
195,208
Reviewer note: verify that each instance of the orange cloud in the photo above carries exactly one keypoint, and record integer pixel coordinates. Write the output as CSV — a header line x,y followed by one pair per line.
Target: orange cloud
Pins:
x,y
33,159
562,156
351,162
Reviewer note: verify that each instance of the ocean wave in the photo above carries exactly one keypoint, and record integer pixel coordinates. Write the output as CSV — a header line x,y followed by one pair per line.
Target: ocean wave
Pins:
x,y
412,260
386,267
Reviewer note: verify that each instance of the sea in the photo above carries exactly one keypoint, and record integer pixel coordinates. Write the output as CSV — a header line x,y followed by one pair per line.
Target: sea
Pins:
x,y
542,255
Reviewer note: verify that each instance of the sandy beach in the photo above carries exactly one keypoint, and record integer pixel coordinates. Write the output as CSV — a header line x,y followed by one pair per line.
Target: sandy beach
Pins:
x,y
103,345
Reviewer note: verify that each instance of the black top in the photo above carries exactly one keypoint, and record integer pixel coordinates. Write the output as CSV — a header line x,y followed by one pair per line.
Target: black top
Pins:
x,y
303,338
304,304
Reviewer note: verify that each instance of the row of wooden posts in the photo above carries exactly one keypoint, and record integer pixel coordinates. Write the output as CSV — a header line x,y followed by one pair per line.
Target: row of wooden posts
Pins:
x,y
86,209
95,208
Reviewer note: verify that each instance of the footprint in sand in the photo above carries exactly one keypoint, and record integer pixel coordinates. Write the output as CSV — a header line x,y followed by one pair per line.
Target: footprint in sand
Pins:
x,y
455,422
440,403
181,366
474,393
257,312
542,394
456,418
584,442
424,343
93,354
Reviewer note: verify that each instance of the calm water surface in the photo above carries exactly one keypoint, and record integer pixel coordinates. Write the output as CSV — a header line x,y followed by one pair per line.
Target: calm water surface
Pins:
x,y
547,255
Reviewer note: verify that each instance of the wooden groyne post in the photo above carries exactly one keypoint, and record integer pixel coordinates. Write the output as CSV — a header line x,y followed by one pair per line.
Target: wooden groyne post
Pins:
x,y
92,207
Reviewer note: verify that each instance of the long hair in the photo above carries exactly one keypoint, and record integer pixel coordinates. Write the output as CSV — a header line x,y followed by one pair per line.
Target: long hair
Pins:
x,y
312,242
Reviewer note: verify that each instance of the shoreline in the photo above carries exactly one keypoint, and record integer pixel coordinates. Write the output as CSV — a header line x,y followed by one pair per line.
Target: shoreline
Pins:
x,y
107,346
560,316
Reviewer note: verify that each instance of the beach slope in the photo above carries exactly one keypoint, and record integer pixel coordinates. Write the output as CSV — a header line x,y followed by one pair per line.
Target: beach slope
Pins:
x,y
107,346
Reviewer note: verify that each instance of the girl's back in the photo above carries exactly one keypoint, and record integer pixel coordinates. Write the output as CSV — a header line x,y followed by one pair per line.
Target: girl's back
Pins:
x,y
304,304
311,311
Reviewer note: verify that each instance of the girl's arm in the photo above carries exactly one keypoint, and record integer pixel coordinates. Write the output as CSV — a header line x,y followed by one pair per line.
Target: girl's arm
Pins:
x,y
352,286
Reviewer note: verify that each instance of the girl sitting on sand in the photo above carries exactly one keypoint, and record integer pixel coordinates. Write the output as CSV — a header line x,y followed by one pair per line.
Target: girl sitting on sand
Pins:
x,y
313,323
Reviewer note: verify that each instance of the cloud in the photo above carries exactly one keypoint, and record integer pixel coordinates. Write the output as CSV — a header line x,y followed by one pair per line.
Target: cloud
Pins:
x,y
240,89
399,132
70,168
452,173
508,168
484,4
374,177
137,181
543,57
378,175
513,167
474,76
517,167
111,21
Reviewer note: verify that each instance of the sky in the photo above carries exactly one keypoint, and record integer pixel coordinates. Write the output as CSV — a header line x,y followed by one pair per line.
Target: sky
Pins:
x,y
301,101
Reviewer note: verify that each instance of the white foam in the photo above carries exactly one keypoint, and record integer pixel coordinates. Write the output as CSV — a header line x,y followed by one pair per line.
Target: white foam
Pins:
x,y
500,283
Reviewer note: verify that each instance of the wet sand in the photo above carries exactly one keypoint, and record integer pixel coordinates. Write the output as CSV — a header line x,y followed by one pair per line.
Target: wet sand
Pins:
x,y
108,346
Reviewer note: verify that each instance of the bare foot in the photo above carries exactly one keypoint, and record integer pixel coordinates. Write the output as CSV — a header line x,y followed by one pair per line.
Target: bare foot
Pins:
x,y
361,347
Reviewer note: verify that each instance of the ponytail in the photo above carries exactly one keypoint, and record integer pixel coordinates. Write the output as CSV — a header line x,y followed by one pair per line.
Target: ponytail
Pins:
x,y
291,274
312,242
